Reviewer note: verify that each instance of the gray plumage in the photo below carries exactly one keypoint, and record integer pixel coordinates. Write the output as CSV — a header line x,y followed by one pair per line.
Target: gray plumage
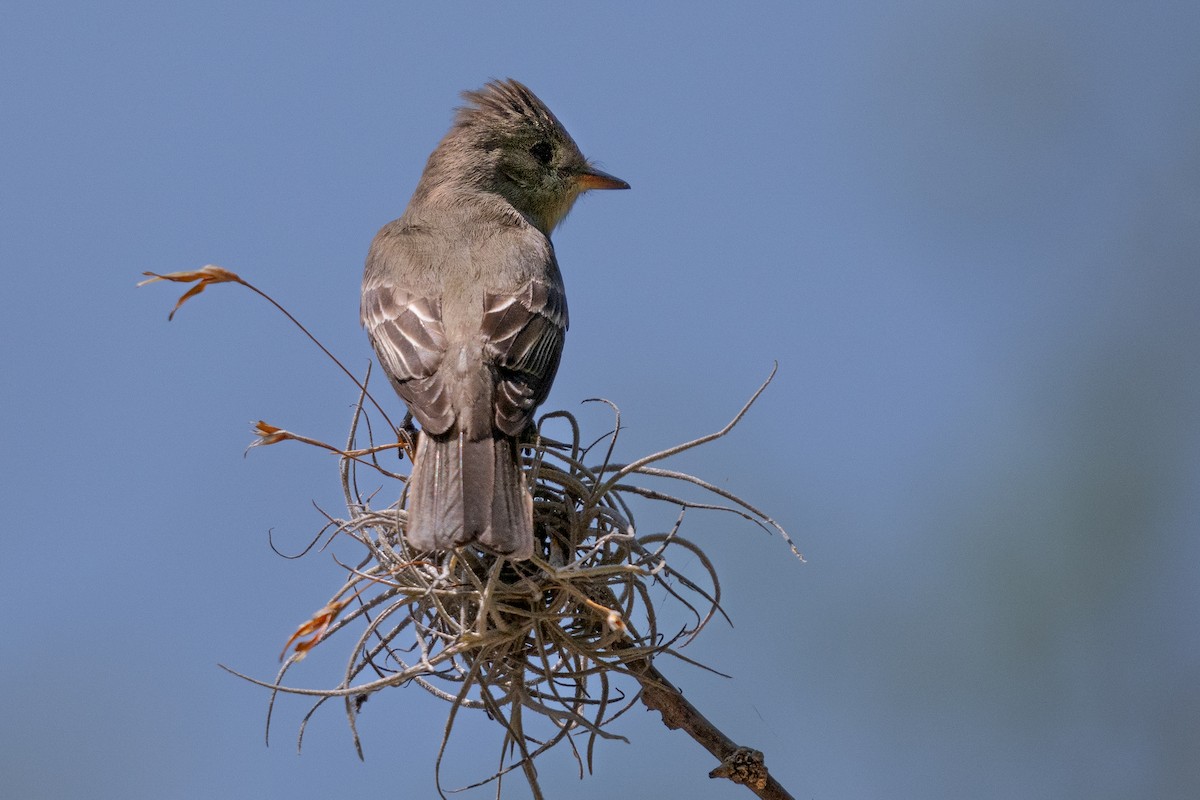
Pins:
x,y
464,304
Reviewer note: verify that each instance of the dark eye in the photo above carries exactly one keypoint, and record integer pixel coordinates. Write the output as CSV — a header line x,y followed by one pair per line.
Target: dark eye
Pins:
x,y
542,151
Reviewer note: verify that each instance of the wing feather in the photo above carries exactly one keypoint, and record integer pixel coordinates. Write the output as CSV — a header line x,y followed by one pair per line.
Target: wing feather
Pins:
x,y
410,340
524,332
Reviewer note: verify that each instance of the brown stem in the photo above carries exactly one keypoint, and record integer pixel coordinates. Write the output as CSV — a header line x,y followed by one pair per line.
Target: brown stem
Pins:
x,y
739,764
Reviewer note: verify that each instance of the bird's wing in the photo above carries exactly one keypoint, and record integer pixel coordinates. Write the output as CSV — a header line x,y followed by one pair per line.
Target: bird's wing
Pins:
x,y
524,334
407,334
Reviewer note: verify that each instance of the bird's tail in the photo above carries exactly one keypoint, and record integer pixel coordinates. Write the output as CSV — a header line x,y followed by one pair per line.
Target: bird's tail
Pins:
x,y
463,491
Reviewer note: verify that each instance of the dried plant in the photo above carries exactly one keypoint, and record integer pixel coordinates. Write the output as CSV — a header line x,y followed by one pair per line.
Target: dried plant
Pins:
x,y
542,646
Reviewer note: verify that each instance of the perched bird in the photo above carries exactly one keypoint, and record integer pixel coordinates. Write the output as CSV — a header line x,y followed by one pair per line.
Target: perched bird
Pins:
x,y
465,307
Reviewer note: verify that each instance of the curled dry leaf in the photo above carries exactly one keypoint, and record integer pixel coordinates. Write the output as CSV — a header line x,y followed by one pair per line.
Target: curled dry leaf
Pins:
x,y
269,434
204,276
316,627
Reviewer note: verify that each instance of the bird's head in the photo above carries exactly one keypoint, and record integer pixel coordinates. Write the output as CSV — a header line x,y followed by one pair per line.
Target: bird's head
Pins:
x,y
507,141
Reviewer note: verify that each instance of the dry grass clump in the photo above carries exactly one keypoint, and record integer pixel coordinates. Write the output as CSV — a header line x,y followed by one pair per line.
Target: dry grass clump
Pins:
x,y
542,639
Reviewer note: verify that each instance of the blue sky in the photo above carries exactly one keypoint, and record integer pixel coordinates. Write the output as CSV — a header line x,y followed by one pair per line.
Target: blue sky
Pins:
x,y
968,233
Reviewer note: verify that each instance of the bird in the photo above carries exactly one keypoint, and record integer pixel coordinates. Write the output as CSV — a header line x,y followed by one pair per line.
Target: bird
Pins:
x,y
465,307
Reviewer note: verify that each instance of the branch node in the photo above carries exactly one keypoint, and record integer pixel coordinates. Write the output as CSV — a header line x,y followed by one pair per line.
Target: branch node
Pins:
x,y
745,766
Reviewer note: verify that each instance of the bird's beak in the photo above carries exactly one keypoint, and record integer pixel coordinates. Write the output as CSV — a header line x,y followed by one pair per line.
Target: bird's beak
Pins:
x,y
592,178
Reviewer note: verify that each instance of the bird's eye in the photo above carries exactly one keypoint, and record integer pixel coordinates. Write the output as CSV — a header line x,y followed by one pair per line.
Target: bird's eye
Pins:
x,y
542,151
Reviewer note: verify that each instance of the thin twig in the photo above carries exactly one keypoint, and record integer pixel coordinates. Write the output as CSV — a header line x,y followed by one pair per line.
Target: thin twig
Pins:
x,y
739,764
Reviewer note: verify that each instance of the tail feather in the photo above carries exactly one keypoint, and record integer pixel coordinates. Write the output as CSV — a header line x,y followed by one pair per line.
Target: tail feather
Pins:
x,y
463,491
435,510
511,531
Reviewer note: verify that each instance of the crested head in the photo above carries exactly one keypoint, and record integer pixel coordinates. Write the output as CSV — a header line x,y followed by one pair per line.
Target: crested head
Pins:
x,y
507,106
507,142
